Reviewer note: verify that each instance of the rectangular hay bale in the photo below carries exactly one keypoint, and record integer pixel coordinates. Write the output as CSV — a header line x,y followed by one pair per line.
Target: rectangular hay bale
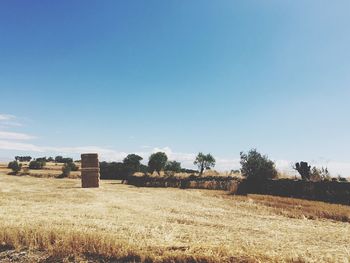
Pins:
x,y
89,160
90,178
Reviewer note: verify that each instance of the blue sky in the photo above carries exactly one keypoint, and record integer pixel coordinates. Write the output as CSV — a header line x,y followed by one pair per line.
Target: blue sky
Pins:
x,y
182,76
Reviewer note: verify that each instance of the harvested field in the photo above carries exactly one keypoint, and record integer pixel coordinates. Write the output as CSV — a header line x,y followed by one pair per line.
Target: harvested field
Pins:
x,y
162,224
48,171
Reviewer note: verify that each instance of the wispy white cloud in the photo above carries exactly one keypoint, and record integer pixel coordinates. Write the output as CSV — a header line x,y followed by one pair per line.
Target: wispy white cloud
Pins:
x,y
19,146
15,136
8,120
6,117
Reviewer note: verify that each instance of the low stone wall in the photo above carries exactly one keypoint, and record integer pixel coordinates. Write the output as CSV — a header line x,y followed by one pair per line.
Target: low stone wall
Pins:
x,y
327,191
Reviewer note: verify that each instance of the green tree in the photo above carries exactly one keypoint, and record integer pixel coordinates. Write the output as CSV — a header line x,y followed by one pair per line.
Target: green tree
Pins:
x,y
173,166
257,166
36,165
204,161
132,163
15,166
157,162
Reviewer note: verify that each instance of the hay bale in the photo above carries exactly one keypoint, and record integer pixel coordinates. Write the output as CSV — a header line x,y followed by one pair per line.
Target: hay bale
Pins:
x,y
90,178
90,171
89,160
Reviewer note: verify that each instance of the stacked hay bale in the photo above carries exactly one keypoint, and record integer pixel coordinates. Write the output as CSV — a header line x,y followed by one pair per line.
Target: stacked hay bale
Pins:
x,y
90,170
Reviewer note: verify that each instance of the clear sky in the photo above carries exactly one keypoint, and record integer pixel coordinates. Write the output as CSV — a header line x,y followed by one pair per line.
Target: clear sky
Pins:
x,y
184,76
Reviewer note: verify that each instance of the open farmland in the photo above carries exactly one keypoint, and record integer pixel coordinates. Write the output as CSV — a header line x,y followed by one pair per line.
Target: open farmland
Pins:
x,y
50,169
161,224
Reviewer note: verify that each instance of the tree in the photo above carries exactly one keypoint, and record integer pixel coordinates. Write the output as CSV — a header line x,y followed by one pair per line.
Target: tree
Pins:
x,y
256,166
60,159
23,158
157,162
204,161
15,166
303,169
173,166
132,163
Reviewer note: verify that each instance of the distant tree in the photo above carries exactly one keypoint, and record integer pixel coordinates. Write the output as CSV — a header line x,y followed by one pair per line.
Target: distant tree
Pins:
x,y
41,159
304,169
15,166
50,159
60,159
173,166
36,165
132,163
256,166
23,158
204,161
341,179
157,162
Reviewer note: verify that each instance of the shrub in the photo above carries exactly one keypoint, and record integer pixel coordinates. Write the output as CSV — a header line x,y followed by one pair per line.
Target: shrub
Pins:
x,y
342,179
312,174
157,162
256,166
15,166
67,168
204,161
318,175
36,165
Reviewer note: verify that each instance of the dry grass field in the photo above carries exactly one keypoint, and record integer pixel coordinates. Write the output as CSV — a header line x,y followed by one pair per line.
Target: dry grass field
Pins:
x,y
49,170
166,224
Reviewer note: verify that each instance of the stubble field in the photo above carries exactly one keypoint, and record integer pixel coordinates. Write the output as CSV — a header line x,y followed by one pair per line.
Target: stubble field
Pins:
x,y
134,224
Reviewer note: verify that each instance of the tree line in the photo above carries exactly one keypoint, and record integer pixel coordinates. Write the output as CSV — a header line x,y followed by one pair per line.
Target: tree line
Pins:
x,y
254,165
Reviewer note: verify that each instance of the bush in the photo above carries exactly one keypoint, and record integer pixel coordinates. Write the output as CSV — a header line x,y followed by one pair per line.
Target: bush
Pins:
x,y
36,165
256,166
15,166
67,168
